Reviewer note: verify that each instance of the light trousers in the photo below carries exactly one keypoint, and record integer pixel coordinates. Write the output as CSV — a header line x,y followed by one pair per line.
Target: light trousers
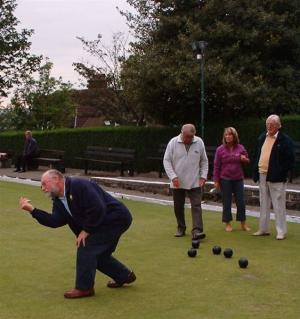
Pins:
x,y
272,193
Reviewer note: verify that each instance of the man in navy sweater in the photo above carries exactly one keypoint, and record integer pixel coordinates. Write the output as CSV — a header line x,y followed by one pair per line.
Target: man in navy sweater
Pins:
x,y
96,218
274,158
30,151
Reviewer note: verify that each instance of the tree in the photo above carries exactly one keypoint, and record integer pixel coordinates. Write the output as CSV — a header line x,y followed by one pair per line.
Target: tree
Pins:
x,y
252,61
15,60
42,103
110,100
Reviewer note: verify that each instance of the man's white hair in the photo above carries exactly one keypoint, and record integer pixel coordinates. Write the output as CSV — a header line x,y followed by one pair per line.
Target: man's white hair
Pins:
x,y
274,118
188,128
53,173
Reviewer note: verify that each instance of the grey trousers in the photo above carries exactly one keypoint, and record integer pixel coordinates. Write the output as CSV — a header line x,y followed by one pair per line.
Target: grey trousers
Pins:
x,y
195,196
272,193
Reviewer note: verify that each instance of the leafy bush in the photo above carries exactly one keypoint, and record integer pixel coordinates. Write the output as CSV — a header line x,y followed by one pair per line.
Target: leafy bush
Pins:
x,y
144,139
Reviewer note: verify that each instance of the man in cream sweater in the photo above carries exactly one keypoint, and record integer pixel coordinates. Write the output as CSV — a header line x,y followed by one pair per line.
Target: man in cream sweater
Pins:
x,y
274,158
186,165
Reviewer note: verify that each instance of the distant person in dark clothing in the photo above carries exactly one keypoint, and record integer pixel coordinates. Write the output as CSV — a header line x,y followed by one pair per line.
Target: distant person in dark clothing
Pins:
x,y
96,218
30,151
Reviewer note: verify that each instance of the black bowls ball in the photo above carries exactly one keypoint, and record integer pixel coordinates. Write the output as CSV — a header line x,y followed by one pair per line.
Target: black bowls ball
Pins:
x,y
216,250
243,262
228,252
195,243
192,252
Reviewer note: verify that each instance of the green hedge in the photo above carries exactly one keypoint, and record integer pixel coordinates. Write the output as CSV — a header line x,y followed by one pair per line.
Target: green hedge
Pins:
x,y
144,139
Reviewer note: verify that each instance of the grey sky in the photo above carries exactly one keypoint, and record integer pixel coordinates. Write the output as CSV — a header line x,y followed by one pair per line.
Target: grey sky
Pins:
x,y
57,23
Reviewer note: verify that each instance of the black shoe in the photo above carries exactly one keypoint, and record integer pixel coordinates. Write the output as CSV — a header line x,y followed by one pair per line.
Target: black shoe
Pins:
x,y
180,233
131,278
23,171
197,234
17,170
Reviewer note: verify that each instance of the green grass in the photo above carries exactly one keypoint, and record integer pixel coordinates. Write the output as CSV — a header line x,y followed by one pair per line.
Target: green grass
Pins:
x,y
38,264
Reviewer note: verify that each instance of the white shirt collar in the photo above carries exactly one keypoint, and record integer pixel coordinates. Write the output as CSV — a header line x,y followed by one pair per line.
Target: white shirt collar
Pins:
x,y
275,135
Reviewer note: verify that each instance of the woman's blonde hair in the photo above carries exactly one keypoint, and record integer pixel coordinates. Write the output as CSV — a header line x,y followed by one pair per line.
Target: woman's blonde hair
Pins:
x,y
231,130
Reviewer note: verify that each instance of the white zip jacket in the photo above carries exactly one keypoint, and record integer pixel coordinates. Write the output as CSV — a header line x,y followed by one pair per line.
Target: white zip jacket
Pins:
x,y
189,166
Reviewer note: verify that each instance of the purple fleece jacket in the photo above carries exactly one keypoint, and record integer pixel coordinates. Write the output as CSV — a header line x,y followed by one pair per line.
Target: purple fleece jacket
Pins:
x,y
227,163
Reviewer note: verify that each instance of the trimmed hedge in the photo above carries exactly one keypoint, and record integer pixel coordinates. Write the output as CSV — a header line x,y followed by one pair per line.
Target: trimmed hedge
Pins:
x,y
144,139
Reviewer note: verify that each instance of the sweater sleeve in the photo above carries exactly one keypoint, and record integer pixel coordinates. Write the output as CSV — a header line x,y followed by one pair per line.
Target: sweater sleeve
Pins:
x,y
54,220
203,164
244,151
217,166
168,161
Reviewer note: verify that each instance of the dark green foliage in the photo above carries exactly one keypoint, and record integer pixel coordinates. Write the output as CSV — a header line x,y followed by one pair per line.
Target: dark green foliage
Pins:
x,y
252,61
15,60
145,140
40,103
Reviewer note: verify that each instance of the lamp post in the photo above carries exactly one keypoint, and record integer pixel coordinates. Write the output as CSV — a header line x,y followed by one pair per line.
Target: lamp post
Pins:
x,y
199,47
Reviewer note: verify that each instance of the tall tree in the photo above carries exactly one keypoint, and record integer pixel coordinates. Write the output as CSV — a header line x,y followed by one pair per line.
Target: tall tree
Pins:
x,y
42,103
252,58
16,62
107,62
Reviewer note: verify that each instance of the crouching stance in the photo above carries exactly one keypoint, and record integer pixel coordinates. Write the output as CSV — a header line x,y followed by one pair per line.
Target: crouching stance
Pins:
x,y
96,218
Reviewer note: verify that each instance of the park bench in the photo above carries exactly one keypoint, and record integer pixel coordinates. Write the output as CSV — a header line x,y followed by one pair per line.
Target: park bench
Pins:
x,y
210,152
49,157
296,167
106,157
157,159
5,158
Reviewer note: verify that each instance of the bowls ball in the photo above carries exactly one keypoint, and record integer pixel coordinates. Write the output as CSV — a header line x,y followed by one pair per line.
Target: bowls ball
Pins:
x,y
192,252
216,250
243,262
228,252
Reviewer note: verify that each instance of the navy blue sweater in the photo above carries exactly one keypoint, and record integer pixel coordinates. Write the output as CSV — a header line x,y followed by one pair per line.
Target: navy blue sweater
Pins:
x,y
92,209
281,160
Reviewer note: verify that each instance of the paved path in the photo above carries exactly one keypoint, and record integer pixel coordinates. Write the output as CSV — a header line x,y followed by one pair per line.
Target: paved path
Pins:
x,y
33,177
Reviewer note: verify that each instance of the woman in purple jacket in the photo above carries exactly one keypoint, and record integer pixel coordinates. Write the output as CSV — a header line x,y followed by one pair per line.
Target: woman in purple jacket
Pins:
x,y
229,176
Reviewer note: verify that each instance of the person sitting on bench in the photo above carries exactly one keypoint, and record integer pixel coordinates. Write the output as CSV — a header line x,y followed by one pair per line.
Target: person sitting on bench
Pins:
x,y
30,151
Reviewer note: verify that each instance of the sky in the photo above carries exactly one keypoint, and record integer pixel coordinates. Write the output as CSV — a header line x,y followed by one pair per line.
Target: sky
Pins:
x,y
57,23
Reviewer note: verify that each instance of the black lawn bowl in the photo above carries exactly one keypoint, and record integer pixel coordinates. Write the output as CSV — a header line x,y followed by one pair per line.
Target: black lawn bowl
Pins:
x,y
216,250
228,252
243,262
195,243
192,252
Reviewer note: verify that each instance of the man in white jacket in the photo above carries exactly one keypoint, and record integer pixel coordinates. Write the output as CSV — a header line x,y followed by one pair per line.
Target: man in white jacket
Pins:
x,y
186,165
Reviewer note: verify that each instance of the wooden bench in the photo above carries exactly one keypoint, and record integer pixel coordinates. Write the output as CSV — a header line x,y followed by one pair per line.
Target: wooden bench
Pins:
x,y
5,158
48,157
125,158
210,152
158,159
296,168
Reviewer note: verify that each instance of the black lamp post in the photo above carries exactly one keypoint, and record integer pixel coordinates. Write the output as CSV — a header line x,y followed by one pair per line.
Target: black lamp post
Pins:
x,y
199,47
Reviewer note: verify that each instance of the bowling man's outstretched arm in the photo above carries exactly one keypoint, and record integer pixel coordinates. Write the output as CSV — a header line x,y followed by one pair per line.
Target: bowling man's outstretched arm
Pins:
x,y
53,220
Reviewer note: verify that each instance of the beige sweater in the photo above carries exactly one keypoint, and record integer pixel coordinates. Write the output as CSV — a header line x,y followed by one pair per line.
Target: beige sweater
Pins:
x,y
266,149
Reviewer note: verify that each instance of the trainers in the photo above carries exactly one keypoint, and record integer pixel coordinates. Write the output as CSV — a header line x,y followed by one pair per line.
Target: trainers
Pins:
x,y
280,237
260,233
